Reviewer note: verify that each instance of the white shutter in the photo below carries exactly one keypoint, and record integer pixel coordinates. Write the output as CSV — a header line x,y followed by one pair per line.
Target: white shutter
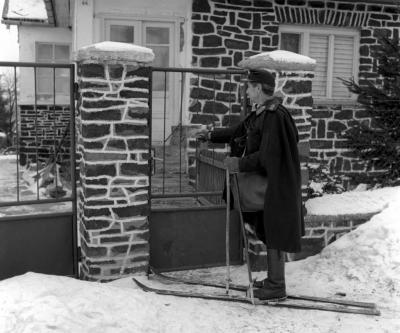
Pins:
x,y
319,51
343,63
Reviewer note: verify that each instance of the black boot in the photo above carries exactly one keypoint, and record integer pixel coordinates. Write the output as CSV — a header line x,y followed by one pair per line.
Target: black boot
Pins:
x,y
274,286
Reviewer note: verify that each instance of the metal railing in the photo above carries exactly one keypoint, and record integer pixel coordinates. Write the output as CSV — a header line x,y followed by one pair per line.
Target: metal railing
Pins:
x,y
176,92
211,174
42,135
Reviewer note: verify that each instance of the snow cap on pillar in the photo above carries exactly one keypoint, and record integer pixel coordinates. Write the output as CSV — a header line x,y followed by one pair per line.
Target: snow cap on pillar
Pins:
x,y
114,51
279,60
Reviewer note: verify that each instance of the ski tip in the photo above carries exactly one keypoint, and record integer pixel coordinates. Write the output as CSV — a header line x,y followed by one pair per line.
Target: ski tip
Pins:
x,y
341,294
377,312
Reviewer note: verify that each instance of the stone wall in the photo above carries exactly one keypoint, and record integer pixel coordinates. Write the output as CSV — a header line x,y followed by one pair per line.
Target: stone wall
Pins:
x,y
227,31
323,229
113,141
224,33
329,123
216,101
42,130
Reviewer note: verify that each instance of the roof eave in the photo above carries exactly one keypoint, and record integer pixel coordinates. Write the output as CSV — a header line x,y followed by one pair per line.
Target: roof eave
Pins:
x,y
29,22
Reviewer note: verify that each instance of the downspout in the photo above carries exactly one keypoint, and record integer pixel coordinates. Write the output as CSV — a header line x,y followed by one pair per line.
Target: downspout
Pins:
x,y
54,13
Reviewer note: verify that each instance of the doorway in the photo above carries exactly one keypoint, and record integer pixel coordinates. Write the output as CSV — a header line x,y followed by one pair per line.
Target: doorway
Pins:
x,y
161,38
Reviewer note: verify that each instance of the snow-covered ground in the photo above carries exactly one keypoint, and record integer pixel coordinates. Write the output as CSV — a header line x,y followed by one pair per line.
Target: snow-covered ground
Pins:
x,y
353,202
364,264
27,190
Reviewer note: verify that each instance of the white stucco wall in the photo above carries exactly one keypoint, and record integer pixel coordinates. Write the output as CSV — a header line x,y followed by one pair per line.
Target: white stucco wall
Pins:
x,y
89,19
28,37
175,11
82,25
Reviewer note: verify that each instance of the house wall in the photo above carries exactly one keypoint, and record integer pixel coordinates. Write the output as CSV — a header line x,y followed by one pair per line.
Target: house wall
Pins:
x,y
226,31
82,24
178,11
44,131
40,127
28,37
175,12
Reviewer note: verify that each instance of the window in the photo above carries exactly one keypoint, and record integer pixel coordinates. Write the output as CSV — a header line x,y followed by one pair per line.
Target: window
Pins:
x,y
46,77
336,53
158,39
154,35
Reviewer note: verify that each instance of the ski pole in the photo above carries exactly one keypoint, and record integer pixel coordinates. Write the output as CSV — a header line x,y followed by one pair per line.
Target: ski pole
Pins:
x,y
246,244
227,228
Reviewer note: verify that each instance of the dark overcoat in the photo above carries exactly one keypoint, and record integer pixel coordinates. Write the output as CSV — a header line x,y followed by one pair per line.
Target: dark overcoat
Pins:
x,y
268,138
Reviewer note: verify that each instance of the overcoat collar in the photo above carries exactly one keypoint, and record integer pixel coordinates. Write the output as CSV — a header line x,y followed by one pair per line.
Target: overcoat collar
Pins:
x,y
272,104
269,105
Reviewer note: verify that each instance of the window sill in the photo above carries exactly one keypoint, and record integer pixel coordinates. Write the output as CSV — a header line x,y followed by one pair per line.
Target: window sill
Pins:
x,y
335,102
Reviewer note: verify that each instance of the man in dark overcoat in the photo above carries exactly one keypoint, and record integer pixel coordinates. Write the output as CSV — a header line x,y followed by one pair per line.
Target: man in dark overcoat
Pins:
x,y
266,141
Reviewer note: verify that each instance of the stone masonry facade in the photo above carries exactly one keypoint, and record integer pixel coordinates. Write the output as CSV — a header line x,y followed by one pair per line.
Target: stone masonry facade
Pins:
x,y
227,31
113,142
41,131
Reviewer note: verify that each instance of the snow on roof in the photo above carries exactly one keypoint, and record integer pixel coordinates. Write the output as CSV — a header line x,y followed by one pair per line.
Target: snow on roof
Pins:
x,y
26,10
115,51
279,60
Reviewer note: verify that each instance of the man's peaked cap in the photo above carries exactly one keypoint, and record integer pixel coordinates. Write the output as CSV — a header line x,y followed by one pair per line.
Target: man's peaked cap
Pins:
x,y
262,76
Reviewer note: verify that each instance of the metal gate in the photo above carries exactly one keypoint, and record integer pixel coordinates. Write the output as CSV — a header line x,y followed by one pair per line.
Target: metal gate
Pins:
x,y
188,216
38,186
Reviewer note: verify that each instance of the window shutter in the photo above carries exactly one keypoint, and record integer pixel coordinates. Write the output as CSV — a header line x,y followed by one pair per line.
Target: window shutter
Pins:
x,y
319,51
343,63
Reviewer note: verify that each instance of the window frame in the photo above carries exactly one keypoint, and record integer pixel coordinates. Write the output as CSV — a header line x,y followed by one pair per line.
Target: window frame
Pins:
x,y
304,31
170,45
177,53
52,61
140,24
124,22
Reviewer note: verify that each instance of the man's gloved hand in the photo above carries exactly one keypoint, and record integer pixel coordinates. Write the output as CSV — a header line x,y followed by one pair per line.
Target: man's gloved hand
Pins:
x,y
202,135
232,164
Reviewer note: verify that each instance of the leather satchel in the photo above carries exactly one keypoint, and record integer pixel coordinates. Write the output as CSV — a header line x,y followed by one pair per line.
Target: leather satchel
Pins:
x,y
252,188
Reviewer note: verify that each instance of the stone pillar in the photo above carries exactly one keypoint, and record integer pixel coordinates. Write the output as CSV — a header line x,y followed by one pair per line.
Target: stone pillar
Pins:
x,y
294,74
293,83
295,88
113,143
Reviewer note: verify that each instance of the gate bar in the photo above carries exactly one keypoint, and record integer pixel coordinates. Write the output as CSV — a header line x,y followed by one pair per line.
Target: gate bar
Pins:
x,y
185,194
198,70
55,129
29,216
35,202
17,127
149,123
35,64
164,129
73,169
36,135
180,131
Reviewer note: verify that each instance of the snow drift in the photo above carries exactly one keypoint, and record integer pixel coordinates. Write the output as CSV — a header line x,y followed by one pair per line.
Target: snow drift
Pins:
x,y
366,260
364,264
